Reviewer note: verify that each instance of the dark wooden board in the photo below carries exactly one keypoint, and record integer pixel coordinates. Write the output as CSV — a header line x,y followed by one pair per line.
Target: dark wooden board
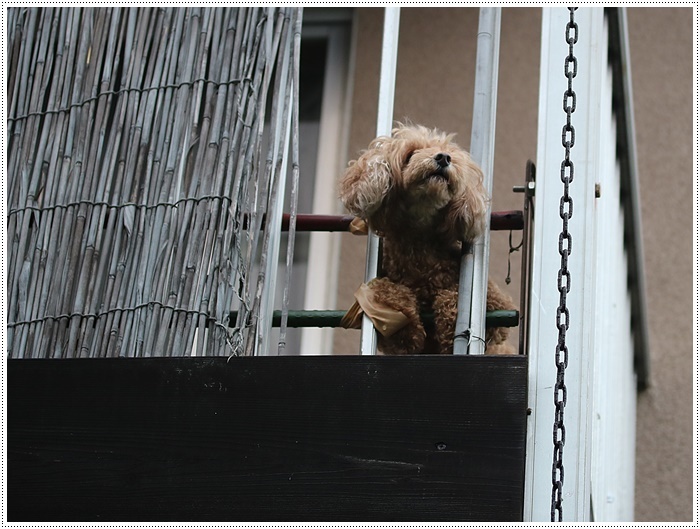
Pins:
x,y
266,439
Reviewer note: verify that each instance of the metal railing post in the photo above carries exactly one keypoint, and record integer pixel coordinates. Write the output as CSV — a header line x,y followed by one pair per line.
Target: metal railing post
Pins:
x,y
385,116
473,278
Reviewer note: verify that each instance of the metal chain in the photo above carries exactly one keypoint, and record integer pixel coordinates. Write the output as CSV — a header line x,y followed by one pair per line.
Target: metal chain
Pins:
x,y
566,206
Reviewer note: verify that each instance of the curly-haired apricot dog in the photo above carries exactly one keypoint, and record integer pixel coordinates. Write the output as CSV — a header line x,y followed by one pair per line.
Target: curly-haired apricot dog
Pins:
x,y
424,196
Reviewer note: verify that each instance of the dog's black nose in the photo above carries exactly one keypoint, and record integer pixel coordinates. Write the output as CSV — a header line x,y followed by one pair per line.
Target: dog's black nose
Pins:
x,y
442,159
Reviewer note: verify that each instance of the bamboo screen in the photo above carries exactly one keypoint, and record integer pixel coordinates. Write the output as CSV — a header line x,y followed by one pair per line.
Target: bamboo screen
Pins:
x,y
136,162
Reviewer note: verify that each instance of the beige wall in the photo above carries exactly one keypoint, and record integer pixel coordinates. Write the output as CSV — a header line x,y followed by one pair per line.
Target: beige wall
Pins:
x,y
435,88
661,41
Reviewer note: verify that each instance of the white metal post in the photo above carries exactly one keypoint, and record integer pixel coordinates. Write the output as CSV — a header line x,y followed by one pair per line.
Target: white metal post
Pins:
x,y
385,116
614,381
471,315
614,385
590,52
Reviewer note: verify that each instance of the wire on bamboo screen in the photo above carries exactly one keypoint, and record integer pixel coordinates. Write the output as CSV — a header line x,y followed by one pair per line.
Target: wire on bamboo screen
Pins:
x,y
135,150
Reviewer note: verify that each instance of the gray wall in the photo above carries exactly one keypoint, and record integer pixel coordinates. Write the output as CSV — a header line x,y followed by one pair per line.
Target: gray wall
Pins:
x,y
434,87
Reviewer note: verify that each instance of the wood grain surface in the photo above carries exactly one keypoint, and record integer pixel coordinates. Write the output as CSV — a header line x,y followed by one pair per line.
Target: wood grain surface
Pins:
x,y
266,439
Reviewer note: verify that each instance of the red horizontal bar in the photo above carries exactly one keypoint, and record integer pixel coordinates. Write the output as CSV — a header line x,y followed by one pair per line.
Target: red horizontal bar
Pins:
x,y
507,220
307,222
500,221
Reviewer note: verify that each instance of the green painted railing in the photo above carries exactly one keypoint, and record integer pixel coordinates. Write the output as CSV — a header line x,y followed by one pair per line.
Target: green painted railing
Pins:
x,y
331,318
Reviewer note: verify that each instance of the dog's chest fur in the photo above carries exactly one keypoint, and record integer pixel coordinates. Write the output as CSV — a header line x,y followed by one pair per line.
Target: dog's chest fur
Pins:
x,y
424,266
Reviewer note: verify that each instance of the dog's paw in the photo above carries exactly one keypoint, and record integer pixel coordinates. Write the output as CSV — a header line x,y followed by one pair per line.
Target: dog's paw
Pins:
x,y
408,341
410,338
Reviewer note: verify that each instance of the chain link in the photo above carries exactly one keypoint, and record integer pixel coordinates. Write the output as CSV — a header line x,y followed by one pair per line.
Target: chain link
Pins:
x,y
566,208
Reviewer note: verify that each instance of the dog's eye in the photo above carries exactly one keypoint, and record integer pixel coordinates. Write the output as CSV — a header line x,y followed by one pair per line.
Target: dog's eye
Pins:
x,y
407,158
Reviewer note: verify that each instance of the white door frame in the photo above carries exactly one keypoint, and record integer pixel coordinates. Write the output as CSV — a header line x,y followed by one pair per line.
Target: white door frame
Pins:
x,y
324,248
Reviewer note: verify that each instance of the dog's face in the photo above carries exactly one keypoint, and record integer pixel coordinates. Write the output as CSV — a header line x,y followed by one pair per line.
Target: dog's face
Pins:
x,y
417,174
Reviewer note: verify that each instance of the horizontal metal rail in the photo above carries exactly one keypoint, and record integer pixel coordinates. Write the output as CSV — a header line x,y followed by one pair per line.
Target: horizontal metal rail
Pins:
x,y
500,221
331,318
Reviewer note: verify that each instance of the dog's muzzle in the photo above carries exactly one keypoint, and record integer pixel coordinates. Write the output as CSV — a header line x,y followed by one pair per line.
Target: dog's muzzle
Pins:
x,y
442,161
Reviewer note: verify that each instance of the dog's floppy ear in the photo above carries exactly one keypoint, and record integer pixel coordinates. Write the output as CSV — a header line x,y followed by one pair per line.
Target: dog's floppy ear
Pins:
x,y
466,213
365,183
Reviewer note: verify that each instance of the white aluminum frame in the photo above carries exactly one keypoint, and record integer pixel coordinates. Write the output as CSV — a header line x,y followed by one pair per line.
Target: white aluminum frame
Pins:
x,y
614,380
591,53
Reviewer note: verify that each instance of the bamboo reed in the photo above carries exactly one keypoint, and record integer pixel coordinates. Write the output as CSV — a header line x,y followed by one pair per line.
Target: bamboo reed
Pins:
x,y
294,192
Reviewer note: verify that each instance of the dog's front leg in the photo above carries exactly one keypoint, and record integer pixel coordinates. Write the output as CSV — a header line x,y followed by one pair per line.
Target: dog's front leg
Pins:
x,y
411,338
445,307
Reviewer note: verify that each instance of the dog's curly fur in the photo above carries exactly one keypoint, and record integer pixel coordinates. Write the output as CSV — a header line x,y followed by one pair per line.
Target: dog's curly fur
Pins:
x,y
424,195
